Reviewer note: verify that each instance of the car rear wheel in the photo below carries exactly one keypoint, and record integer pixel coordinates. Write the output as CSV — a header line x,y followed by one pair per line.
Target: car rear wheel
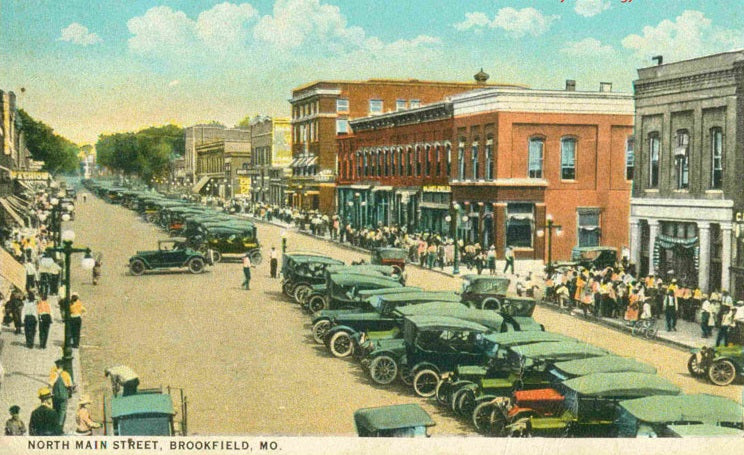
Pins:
x,y
383,369
482,417
694,367
316,303
256,257
196,265
405,375
300,291
341,345
288,288
320,329
443,392
465,402
425,383
137,267
722,372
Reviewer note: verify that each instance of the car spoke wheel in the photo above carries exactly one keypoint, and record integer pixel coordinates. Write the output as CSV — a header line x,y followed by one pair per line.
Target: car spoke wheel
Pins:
x,y
341,344
405,375
383,369
465,402
694,367
316,303
425,383
137,267
196,265
256,257
300,291
320,329
443,392
491,304
288,288
722,372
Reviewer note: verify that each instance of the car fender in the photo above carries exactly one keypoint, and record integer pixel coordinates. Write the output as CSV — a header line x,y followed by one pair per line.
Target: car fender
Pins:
x,y
737,363
188,259
391,354
339,328
147,263
422,365
485,398
320,317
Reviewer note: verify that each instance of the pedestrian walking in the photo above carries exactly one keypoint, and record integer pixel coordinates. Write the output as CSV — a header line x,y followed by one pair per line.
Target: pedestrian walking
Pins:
x,y
44,312
61,386
30,319
44,419
14,426
670,310
96,272
273,261
727,321
84,423
491,257
247,271
30,274
85,197
15,307
705,312
76,318
509,257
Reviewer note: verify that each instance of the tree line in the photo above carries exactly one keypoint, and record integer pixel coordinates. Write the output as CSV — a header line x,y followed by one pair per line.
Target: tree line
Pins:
x,y
60,155
147,153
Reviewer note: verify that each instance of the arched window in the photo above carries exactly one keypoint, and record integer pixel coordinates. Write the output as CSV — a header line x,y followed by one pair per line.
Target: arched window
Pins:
x,y
410,162
366,163
438,159
392,161
654,150
489,158
461,159
568,158
427,157
474,157
716,147
418,161
358,164
400,161
535,158
448,152
682,159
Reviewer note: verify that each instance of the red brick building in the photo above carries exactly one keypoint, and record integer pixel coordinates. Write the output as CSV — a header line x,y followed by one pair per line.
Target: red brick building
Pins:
x,y
521,155
321,112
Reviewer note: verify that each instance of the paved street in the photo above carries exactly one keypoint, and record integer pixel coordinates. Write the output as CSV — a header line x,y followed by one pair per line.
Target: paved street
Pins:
x,y
246,358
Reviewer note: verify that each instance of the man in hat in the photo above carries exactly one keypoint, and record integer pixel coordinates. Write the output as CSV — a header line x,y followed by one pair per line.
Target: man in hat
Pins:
x,y
61,384
273,261
670,310
76,318
44,419
85,424
14,426
705,316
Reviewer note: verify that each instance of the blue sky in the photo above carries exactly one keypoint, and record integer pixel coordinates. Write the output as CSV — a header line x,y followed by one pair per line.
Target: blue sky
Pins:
x,y
99,66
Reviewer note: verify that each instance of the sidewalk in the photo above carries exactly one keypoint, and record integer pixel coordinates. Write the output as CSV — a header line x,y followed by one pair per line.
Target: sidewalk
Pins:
x,y
688,334
27,370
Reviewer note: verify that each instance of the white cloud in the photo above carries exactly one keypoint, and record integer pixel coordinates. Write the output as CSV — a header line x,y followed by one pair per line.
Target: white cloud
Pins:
x,y
587,47
518,23
225,24
173,83
691,34
78,34
589,8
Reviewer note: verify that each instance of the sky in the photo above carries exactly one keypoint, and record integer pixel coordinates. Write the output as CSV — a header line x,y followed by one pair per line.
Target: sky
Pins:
x,y
101,66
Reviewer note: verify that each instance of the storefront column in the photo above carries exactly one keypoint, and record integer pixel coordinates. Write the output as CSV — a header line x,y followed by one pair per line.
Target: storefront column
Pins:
x,y
653,230
635,243
704,259
725,256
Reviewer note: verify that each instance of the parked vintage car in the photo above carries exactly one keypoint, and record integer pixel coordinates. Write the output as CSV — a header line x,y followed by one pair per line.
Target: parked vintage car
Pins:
x,y
591,257
304,269
314,297
132,411
659,415
400,420
170,254
228,239
484,291
341,290
720,364
606,364
395,257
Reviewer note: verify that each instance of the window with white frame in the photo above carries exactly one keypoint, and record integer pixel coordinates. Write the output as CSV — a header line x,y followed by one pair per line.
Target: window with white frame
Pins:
x,y
716,148
413,104
535,158
588,226
568,158
400,105
375,107
519,224
342,126
654,151
629,157
682,160
461,160
427,159
342,105
489,158
448,152
474,158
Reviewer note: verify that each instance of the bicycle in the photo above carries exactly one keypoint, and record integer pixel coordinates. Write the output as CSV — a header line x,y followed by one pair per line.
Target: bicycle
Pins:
x,y
645,327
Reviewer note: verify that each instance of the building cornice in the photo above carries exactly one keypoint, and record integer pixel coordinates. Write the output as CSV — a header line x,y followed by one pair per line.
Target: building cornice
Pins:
x,y
686,83
314,92
428,113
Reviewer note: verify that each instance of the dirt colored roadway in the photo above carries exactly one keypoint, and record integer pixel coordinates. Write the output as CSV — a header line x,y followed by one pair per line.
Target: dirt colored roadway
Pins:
x,y
246,358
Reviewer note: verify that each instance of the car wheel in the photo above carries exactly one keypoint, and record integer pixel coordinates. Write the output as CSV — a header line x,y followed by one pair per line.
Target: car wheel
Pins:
x,y
341,345
397,270
383,369
320,329
137,267
405,375
300,291
316,303
722,372
425,383
482,415
651,332
491,304
256,257
443,392
465,402
288,288
694,367
216,256
196,265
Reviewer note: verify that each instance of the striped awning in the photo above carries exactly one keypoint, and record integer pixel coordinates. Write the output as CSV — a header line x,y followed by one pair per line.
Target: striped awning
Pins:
x,y
8,207
12,270
200,184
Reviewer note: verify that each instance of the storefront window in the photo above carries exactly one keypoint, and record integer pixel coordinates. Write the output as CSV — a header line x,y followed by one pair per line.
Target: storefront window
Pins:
x,y
589,227
654,147
519,224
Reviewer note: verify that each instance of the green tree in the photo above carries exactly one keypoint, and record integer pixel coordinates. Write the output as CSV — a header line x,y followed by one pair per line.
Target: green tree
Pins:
x,y
146,153
58,153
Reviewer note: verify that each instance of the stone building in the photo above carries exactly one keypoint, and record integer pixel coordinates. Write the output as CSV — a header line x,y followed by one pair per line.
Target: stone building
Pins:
x,y
201,134
217,167
688,194
321,112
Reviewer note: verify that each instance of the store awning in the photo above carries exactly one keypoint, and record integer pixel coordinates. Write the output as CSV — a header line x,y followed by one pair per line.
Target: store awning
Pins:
x,y
12,212
200,184
12,270
360,187
410,192
312,193
295,161
382,188
302,161
312,161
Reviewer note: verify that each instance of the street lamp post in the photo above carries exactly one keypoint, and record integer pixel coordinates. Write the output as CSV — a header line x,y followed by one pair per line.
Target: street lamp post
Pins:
x,y
87,263
549,226
358,223
454,219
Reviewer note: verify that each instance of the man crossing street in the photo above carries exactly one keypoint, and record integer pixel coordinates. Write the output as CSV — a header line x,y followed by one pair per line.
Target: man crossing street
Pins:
x,y
273,261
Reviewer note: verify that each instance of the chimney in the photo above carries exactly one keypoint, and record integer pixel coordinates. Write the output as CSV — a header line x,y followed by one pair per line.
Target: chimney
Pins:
x,y
570,85
659,59
605,87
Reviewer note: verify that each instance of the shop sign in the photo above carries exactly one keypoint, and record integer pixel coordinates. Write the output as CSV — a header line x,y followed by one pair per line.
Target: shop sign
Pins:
x,y
29,175
437,189
245,185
